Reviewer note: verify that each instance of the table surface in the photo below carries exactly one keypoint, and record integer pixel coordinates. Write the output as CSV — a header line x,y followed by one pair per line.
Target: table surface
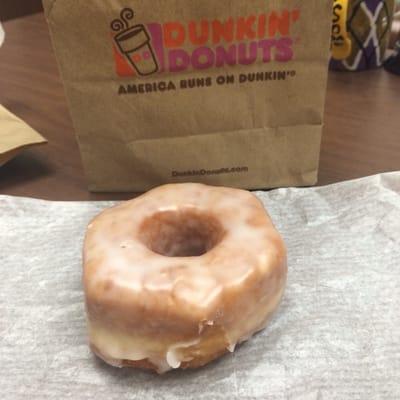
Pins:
x,y
361,135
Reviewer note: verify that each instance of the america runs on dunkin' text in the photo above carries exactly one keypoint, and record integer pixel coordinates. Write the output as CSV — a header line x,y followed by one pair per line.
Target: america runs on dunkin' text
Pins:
x,y
204,82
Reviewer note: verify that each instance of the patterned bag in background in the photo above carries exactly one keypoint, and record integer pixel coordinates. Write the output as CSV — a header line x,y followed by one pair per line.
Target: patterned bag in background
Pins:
x,y
360,33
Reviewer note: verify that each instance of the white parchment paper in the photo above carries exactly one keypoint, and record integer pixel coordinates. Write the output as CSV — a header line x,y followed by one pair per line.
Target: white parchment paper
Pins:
x,y
335,336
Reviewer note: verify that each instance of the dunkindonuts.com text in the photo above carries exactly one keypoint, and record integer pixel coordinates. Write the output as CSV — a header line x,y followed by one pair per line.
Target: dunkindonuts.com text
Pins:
x,y
202,172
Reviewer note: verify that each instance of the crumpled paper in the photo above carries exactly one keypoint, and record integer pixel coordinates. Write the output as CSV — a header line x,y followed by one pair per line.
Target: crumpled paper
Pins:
x,y
336,334
2,35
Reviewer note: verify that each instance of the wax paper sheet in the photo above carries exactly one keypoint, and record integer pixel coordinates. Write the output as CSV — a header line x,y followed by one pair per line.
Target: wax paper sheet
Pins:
x,y
336,334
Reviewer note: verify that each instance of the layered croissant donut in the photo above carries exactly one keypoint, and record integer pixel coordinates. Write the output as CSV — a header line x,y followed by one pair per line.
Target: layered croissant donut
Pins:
x,y
177,277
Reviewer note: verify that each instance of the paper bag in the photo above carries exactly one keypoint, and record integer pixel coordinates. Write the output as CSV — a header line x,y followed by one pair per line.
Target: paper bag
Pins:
x,y
222,92
15,135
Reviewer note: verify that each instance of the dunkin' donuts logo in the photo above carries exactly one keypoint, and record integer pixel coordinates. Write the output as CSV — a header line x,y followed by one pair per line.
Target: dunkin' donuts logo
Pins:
x,y
200,45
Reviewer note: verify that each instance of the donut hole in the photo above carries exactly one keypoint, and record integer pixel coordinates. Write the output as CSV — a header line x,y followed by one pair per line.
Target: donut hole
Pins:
x,y
185,233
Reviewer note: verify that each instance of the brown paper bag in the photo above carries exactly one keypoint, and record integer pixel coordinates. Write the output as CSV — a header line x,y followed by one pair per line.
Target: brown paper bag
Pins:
x,y
15,135
223,92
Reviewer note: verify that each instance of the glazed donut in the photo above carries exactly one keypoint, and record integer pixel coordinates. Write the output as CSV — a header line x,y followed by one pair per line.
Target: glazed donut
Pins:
x,y
177,277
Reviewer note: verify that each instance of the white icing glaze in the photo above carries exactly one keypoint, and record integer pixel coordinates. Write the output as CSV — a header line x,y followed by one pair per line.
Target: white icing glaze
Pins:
x,y
117,346
232,347
174,354
133,293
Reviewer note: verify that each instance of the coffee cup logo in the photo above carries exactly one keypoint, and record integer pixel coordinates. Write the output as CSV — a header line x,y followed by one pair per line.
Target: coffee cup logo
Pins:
x,y
134,43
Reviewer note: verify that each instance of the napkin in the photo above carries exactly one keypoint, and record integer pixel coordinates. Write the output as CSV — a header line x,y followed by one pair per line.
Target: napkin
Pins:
x,y
336,334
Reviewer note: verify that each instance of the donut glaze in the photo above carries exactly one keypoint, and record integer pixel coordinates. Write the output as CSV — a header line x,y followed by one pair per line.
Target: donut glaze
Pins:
x,y
178,276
